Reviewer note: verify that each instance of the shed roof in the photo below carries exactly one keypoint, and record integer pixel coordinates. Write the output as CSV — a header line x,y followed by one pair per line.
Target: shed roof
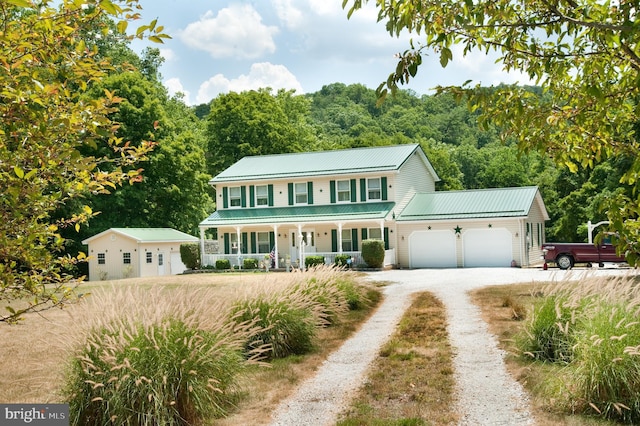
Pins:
x,y
471,204
147,235
322,163
296,214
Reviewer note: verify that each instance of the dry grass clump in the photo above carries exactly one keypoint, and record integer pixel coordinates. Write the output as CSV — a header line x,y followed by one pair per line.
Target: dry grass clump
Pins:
x,y
411,382
592,329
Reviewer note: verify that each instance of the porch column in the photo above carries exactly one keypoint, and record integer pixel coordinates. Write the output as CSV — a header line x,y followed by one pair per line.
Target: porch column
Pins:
x,y
201,246
239,239
300,249
340,238
275,246
382,233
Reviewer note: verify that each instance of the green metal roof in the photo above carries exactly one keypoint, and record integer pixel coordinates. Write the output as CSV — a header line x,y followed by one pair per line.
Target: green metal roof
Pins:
x,y
296,214
471,204
148,235
321,163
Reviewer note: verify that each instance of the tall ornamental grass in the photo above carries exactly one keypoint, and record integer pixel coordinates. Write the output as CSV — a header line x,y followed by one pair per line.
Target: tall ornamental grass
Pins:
x,y
155,357
596,330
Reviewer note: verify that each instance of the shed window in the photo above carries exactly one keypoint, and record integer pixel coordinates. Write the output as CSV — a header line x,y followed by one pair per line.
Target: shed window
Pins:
x,y
347,244
262,195
235,197
301,194
126,258
374,189
101,259
344,190
149,257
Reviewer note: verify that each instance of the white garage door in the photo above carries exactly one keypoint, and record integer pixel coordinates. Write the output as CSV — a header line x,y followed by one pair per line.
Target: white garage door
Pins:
x,y
177,267
487,247
432,249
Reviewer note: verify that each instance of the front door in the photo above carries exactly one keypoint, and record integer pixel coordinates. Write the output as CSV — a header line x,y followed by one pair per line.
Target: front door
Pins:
x,y
309,239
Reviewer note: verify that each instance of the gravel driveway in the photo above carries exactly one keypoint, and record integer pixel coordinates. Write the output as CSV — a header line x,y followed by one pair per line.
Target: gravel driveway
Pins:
x,y
487,395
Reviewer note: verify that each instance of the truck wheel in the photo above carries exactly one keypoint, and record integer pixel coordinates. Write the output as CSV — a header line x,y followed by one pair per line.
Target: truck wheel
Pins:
x,y
564,261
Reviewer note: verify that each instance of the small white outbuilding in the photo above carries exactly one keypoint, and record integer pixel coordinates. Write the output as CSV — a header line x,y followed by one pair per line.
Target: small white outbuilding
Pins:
x,y
135,252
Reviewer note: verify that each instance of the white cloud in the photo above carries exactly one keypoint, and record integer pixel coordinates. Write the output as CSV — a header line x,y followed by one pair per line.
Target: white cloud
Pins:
x,y
261,75
292,17
236,31
174,86
169,55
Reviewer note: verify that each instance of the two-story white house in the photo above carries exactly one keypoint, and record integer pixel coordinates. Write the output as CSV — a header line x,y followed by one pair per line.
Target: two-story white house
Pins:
x,y
326,203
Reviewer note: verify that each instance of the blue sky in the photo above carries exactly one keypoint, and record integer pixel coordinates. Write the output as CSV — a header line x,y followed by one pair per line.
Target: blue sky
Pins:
x,y
219,46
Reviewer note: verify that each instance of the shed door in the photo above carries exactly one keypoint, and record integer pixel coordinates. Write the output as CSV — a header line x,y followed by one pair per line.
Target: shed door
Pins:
x,y
432,249
487,247
177,267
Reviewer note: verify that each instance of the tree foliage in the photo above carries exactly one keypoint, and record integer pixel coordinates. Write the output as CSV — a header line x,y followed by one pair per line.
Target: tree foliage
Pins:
x,y
583,54
46,66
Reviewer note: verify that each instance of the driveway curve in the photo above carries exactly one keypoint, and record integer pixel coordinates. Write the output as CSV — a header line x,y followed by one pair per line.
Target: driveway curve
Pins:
x,y
486,393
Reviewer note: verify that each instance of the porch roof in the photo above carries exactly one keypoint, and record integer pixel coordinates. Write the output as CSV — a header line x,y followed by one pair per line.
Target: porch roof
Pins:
x,y
298,214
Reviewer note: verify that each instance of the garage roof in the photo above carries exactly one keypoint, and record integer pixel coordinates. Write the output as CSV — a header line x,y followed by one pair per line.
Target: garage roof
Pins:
x,y
471,204
322,163
296,214
148,235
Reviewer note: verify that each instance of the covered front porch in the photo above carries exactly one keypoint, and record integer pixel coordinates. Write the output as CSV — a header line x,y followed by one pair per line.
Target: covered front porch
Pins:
x,y
284,237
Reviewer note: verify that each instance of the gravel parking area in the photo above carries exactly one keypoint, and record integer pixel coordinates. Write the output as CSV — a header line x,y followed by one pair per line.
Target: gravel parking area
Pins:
x,y
487,395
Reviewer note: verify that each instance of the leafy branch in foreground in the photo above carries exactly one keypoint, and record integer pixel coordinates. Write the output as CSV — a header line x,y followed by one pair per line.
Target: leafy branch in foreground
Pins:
x,y
46,65
584,54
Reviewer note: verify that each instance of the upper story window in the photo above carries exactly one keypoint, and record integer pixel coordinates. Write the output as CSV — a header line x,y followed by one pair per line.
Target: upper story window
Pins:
x,y
374,189
262,195
301,194
343,188
235,196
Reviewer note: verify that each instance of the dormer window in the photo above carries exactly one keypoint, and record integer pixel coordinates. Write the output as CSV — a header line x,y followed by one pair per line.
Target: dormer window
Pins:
x,y
374,191
235,196
343,188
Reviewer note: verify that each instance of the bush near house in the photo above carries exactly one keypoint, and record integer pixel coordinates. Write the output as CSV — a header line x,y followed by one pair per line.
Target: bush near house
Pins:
x,y
310,261
342,259
373,253
250,263
190,255
222,264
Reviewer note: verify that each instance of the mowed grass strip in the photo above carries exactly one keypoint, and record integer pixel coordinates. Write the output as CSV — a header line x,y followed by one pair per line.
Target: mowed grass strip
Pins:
x,y
412,380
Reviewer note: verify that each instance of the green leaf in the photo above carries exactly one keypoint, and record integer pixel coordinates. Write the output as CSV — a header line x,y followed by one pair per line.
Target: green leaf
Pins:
x,y
18,171
20,3
445,56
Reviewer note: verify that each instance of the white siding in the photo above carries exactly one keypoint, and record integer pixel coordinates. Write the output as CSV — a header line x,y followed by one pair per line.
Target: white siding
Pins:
x,y
412,177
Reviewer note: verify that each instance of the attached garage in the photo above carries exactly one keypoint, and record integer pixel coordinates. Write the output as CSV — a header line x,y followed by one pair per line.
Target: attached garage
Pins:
x,y
487,247
432,249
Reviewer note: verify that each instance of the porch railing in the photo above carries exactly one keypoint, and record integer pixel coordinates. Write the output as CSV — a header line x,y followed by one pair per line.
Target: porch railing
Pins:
x,y
329,258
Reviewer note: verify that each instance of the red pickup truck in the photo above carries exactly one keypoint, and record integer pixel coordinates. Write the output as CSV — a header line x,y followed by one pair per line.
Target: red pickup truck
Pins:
x,y
566,255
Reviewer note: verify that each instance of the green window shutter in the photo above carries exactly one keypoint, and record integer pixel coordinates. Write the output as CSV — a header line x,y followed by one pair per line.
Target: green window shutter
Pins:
x,y
244,243
332,191
386,238
353,191
334,240
383,185
253,243
272,240
363,190
290,187
354,239
225,198
309,192
227,250
243,196
364,233
252,196
270,195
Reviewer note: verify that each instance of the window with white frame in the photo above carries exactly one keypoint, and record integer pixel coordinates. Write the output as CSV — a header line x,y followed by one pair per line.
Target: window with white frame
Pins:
x,y
101,259
300,191
374,191
235,197
263,242
262,195
126,258
374,234
343,188
347,244
149,257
